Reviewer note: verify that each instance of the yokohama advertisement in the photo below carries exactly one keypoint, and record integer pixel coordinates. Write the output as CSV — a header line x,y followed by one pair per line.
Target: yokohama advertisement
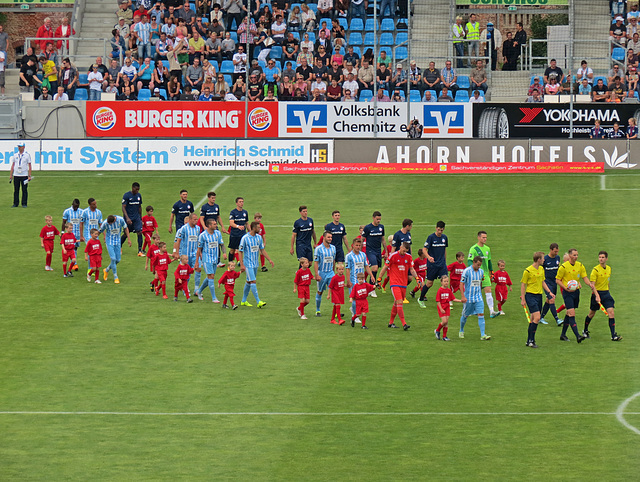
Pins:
x,y
181,119
547,120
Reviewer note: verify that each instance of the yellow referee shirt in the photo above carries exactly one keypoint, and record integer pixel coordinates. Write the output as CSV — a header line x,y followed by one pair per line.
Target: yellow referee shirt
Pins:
x,y
567,272
533,278
601,276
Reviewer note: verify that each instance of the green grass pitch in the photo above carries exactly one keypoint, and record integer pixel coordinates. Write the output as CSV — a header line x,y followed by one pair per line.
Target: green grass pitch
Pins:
x,y
194,392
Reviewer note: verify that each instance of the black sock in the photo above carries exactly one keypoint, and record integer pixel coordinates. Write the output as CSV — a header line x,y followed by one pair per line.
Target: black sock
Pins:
x,y
574,326
423,292
545,309
139,241
530,333
587,320
565,325
122,239
231,257
612,326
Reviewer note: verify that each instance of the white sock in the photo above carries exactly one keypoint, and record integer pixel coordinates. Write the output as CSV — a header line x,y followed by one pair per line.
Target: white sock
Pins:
x,y
489,301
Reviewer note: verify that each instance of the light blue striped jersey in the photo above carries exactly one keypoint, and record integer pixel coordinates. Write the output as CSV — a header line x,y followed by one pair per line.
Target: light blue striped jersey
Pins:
x,y
209,244
472,281
188,237
73,217
250,246
91,220
325,258
113,231
355,263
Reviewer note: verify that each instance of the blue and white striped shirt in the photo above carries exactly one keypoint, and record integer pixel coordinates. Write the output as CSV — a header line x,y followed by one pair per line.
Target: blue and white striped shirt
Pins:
x,y
91,220
188,237
113,231
144,32
209,244
73,217
325,258
355,263
472,281
250,246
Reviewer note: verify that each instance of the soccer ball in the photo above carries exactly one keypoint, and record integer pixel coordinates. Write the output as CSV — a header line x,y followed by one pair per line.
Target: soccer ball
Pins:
x,y
572,285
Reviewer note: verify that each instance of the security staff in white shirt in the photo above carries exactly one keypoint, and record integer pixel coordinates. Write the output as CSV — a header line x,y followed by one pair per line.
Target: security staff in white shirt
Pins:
x,y
20,174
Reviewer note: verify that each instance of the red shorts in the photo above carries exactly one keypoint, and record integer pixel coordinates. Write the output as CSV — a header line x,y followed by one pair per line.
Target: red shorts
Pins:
x,y
67,255
48,245
181,285
95,261
399,294
147,235
501,292
304,292
229,291
337,298
362,306
455,285
162,274
447,309
421,275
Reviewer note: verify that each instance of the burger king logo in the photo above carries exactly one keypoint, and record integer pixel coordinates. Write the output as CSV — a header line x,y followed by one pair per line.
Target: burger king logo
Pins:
x,y
260,119
104,118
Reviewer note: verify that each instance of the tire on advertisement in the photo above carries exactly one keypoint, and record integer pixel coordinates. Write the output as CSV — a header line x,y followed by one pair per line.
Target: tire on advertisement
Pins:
x,y
493,124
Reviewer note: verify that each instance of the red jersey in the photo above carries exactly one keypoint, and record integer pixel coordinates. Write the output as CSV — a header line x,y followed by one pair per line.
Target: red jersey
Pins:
x,y
261,231
183,271
68,240
161,262
149,224
420,265
303,277
336,285
360,291
501,278
398,268
48,233
153,252
455,270
94,247
229,279
444,296
389,250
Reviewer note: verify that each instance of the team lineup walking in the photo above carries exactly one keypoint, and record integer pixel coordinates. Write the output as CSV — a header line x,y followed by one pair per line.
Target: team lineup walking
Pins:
x,y
362,266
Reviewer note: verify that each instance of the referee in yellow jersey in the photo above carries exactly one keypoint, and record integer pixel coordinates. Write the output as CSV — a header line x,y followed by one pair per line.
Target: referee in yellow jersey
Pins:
x,y
600,276
572,270
532,285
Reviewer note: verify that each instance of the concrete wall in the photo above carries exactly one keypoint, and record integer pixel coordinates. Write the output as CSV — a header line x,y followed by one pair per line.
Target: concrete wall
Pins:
x,y
65,119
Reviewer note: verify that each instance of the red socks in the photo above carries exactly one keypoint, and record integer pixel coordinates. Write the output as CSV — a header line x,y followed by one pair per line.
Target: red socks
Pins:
x,y
49,257
301,307
401,315
394,311
364,319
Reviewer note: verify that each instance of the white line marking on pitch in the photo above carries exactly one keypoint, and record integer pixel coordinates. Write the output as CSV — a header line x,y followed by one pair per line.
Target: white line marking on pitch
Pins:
x,y
621,412
205,198
632,225
603,185
323,414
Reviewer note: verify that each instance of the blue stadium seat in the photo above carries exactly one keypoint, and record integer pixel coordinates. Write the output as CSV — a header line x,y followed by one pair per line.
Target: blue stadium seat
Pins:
x,y
386,39
366,95
387,25
296,35
355,38
414,96
205,21
81,94
262,64
387,50
356,50
276,52
434,95
295,5
369,38
618,54
312,37
313,6
385,92
462,96
356,25
369,25
402,53
163,93
144,94
166,64
401,37
343,21
463,81
234,36
595,80
227,67
83,78
325,19
228,79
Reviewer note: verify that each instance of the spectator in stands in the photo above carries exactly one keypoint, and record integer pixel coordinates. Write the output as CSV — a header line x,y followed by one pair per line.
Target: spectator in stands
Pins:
x,y
491,38
368,54
632,80
118,46
613,73
221,88
476,98
289,72
208,69
510,53
28,55
520,39
124,13
632,28
235,10
45,32
49,72
208,82
618,32
112,71
358,9
337,57
536,86
278,30
396,97
123,28
156,94
458,38
188,15
334,91
196,47
304,69
428,97
45,94
94,80
61,94
337,32
600,93
169,28
366,75
323,56
228,47
351,56
195,75
352,86
129,71
162,47
341,8
321,68
348,97
239,61
585,88
127,94
157,12
63,31
50,53
319,84
632,58
317,96
254,88
271,95
155,29
382,96
144,74
142,33
553,68
111,88
553,87
617,91
306,42
633,11
160,76
535,97
187,94
173,88
203,7
399,79
383,77
617,7
290,48
448,78
431,78
287,88
300,96
336,71
216,23
239,88
383,59
68,78
584,73
472,29
478,78
616,133
308,18
444,95
323,41
28,79
294,22
325,8
634,43
206,95
415,77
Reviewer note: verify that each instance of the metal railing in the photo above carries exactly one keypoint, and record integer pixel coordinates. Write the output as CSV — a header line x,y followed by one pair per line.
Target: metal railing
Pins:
x,y
72,48
567,59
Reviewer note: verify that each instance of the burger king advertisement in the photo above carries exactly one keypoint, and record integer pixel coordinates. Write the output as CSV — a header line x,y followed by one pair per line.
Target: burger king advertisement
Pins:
x,y
181,119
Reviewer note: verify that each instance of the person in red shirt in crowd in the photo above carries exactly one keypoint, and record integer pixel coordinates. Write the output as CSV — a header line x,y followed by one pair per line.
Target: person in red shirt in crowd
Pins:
x,y
503,285
420,266
93,254
68,241
359,293
45,32
149,226
151,254
399,265
160,265
47,236
336,287
182,274
455,271
263,233
228,279
301,282
64,31
444,298
387,252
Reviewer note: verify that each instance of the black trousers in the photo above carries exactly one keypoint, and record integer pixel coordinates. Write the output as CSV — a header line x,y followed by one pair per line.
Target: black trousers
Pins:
x,y
17,182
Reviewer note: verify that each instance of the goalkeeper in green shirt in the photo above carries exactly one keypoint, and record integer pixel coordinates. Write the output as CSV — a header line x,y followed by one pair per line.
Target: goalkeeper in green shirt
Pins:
x,y
481,249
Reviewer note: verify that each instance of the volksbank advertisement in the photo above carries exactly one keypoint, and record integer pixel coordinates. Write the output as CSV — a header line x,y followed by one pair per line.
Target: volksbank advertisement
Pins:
x,y
174,155
366,119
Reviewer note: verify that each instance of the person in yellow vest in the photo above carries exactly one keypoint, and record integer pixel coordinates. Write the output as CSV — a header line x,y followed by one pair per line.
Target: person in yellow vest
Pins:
x,y
532,285
458,35
473,35
600,276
